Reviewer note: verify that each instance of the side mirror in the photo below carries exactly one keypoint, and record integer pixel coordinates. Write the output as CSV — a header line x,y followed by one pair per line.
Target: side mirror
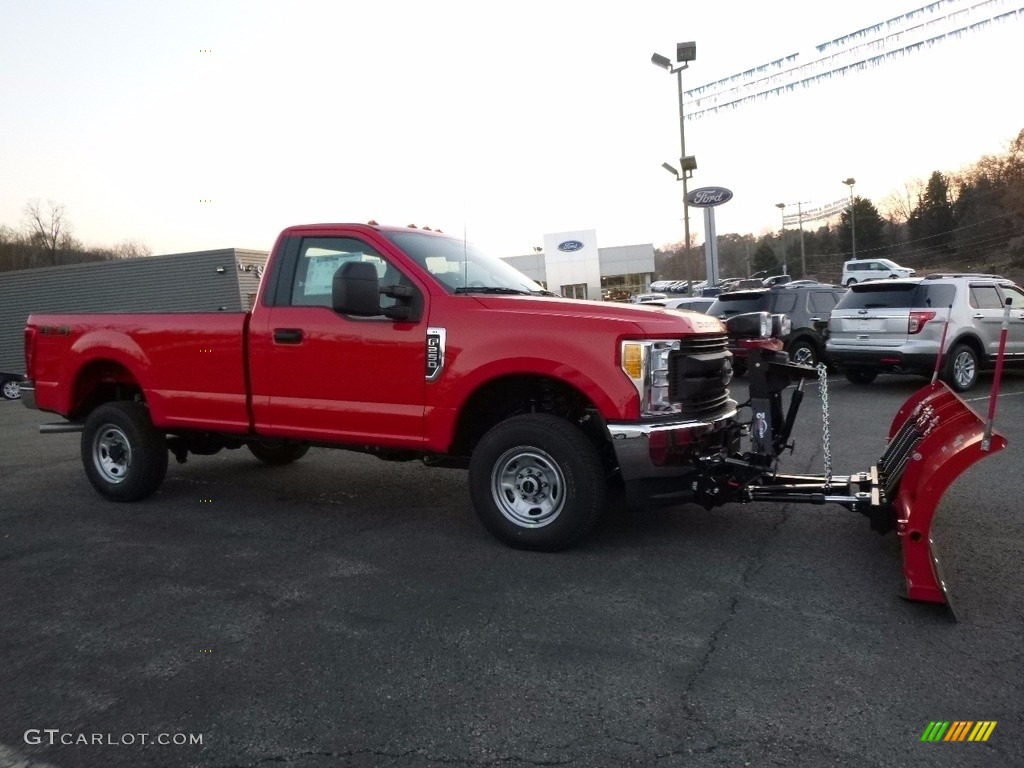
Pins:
x,y
355,289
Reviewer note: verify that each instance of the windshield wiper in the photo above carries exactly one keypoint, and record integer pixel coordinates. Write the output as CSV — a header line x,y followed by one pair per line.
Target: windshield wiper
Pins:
x,y
492,289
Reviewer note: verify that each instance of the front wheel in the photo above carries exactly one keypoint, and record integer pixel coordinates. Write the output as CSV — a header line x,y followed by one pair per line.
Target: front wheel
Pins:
x,y
962,368
537,482
276,453
851,281
124,455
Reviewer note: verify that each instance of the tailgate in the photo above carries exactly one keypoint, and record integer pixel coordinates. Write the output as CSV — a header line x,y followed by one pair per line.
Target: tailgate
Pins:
x,y
868,328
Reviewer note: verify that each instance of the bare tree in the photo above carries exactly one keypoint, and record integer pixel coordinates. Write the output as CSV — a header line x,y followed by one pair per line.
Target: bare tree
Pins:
x,y
49,229
132,249
899,204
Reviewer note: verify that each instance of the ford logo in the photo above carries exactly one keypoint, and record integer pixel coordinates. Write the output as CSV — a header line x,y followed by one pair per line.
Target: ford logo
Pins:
x,y
708,197
570,245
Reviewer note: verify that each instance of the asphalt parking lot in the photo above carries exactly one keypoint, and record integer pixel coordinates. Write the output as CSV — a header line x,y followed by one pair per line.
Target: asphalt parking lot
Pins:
x,y
348,611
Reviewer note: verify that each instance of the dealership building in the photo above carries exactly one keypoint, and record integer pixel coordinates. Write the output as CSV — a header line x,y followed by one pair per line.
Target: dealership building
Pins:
x,y
572,265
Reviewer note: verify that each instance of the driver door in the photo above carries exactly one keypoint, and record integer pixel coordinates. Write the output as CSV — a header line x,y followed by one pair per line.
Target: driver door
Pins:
x,y
321,376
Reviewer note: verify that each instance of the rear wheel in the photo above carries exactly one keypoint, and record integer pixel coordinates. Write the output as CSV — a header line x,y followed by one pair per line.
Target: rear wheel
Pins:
x,y
962,368
124,455
803,352
11,389
537,482
277,453
861,375
851,281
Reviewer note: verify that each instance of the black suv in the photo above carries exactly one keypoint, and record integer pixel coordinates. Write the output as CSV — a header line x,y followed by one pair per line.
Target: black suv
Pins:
x,y
804,303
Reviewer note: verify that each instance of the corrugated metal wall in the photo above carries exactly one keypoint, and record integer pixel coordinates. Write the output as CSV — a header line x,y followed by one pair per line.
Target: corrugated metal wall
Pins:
x,y
180,282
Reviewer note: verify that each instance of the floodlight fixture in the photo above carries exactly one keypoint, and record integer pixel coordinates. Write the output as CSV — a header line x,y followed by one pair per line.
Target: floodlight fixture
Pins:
x,y
686,52
670,169
689,163
661,61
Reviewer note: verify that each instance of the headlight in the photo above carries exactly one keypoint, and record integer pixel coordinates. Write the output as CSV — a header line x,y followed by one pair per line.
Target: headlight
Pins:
x,y
646,365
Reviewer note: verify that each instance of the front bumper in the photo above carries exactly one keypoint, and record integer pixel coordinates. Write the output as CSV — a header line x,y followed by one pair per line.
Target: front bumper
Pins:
x,y
667,448
28,394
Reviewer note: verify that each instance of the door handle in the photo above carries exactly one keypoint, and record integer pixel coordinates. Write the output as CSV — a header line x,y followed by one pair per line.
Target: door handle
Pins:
x,y
979,316
288,335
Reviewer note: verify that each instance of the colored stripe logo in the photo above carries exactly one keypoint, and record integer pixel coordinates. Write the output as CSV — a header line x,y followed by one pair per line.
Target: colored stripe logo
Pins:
x,y
959,730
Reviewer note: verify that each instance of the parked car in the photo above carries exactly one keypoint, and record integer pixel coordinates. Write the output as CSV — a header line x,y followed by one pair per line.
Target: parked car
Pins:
x,y
861,270
768,282
10,385
803,303
895,326
643,298
694,304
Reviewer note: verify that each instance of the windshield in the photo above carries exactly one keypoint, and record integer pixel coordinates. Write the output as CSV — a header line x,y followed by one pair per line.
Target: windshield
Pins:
x,y
739,303
886,295
462,267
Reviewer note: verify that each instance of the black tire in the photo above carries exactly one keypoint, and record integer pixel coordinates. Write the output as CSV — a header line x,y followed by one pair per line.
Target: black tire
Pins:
x,y
10,388
962,368
277,453
851,281
124,455
537,482
804,352
861,376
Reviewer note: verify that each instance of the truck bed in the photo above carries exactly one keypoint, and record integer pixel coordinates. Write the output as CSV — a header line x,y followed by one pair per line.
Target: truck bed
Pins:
x,y
191,365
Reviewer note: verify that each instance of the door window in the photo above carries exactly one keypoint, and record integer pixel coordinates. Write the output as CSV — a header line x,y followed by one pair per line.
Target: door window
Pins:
x,y
321,257
985,297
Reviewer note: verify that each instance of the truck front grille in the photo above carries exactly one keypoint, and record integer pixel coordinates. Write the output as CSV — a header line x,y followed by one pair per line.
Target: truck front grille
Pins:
x,y
697,375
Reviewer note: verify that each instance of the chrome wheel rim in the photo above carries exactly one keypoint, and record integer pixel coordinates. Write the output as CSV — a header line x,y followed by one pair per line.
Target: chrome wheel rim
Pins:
x,y
964,369
804,356
528,487
12,390
112,453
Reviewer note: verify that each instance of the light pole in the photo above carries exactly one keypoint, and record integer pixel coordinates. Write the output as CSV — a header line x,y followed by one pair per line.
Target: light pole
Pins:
x,y
853,221
782,234
685,53
800,223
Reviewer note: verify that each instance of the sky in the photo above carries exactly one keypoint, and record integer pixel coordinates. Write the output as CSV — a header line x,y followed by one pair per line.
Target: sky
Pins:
x,y
199,125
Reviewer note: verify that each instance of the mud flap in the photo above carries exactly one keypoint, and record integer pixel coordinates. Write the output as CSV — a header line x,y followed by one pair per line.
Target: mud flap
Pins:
x,y
934,438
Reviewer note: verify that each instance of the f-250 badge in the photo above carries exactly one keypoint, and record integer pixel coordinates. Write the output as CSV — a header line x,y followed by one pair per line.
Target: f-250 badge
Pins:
x,y
435,352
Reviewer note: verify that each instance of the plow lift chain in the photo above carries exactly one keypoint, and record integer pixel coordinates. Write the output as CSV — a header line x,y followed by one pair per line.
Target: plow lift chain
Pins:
x,y
934,437
754,476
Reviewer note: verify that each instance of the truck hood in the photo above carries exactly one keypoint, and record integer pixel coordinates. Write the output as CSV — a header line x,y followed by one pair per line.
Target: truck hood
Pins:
x,y
652,321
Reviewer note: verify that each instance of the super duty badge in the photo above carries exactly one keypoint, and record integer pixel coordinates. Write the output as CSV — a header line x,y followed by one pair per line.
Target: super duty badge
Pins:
x,y
435,352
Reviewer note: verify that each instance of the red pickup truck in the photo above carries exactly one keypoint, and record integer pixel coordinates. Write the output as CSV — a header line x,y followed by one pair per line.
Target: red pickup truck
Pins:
x,y
407,344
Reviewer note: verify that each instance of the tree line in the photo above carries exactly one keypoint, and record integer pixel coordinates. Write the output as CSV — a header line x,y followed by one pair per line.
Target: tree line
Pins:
x,y
46,239
973,219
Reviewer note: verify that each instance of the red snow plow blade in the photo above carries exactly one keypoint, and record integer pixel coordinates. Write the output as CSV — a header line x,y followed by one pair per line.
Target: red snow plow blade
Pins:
x,y
933,439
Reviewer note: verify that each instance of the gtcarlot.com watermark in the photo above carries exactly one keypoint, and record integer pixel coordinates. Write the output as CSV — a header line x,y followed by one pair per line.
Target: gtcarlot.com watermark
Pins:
x,y
55,736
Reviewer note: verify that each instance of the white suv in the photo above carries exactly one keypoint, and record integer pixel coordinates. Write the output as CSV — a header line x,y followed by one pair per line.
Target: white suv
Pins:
x,y
872,269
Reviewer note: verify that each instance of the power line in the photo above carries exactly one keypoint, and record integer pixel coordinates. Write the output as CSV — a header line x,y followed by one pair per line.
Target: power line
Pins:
x,y
897,37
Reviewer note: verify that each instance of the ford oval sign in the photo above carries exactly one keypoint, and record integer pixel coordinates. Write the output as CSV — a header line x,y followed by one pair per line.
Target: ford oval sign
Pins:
x,y
708,197
570,245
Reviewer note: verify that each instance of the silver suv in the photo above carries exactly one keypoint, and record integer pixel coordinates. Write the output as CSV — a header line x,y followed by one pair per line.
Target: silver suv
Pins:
x,y
895,326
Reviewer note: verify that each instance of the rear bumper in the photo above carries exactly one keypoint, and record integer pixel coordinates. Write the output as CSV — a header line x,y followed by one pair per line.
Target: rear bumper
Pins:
x,y
894,360
28,394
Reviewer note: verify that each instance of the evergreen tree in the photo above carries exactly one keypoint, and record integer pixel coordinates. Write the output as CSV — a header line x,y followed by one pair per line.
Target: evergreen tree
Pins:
x,y
764,259
932,222
869,228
